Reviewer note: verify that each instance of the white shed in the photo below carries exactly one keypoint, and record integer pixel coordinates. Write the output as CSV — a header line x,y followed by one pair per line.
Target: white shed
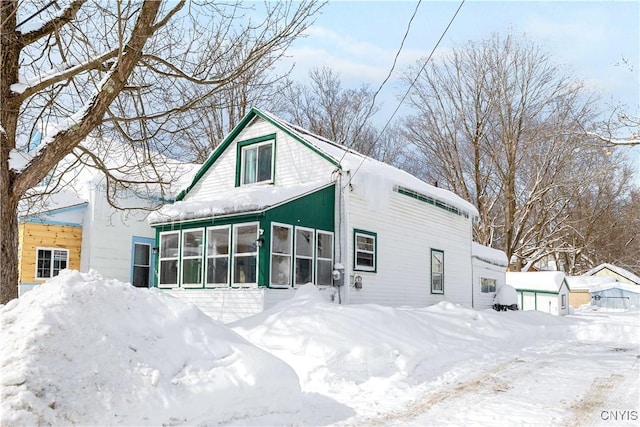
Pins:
x,y
545,291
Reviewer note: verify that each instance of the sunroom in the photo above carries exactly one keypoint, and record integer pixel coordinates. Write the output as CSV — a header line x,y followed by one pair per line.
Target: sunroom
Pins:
x,y
283,242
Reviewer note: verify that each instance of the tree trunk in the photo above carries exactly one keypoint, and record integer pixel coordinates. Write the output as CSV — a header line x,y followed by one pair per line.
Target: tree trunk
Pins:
x,y
9,248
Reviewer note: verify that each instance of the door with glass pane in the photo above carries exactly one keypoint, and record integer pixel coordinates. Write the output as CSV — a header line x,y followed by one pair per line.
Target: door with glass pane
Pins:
x,y
141,262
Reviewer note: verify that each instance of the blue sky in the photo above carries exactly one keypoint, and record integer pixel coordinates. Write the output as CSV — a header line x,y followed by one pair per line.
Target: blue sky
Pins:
x,y
590,40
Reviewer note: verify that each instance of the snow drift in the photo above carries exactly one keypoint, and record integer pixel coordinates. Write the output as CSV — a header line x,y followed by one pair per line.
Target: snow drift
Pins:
x,y
84,350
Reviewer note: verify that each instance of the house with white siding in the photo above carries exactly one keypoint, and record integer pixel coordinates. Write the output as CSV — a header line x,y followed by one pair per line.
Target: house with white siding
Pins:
x,y
72,223
275,207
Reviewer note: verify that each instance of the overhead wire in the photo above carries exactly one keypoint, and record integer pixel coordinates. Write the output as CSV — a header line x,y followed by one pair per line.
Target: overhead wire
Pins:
x,y
404,97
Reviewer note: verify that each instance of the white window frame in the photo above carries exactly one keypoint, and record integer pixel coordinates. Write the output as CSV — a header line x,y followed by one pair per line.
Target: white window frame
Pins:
x,y
373,237
318,258
147,266
482,285
234,254
184,257
290,255
51,268
297,256
441,273
210,257
176,258
243,159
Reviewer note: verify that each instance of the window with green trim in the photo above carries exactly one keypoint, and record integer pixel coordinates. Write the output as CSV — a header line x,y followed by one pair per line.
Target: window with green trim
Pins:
x,y
437,271
364,250
192,257
324,258
256,163
218,256
281,254
169,257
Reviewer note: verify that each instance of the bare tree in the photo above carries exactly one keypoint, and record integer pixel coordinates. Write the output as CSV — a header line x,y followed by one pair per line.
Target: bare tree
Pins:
x,y
340,115
498,123
117,67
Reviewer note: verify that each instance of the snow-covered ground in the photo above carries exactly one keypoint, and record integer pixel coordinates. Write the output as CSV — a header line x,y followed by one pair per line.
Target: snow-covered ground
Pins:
x,y
83,350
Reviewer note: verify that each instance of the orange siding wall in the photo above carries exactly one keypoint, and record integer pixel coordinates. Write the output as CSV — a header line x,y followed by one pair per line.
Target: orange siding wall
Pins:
x,y
34,235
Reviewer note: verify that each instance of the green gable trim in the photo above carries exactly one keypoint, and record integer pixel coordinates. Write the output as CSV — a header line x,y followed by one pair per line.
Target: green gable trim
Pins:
x,y
241,144
232,136
431,201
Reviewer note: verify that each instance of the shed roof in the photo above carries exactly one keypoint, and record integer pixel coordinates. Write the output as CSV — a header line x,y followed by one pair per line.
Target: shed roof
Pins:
x,y
618,270
489,255
544,281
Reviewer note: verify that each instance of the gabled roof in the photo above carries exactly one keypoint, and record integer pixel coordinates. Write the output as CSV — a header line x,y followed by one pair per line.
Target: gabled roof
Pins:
x,y
544,281
363,169
614,268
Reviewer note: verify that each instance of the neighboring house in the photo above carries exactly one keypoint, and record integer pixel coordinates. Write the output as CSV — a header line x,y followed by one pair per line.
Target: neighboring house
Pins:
x,y
581,286
275,207
618,273
76,227
615,296
545,291
489,267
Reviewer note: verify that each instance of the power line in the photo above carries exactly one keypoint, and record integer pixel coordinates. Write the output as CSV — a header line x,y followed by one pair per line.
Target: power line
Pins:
x,y
414,80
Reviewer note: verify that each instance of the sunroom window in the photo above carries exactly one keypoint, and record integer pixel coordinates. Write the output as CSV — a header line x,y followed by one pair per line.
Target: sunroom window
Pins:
x,y
192,252
304,256
245,254
324,258
169,255
218,256
281,250
257,163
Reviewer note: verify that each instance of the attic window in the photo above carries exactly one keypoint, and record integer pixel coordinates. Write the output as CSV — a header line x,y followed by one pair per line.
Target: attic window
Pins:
x,y
256,161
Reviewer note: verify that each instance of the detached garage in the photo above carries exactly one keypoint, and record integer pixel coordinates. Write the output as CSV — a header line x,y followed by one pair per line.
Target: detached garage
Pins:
x,y
545,291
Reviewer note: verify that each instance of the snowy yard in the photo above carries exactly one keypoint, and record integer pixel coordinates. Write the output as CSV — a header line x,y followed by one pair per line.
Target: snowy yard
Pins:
x,y
83,350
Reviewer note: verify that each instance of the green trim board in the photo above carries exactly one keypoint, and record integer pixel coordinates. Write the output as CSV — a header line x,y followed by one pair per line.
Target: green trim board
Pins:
x,y
431,253
248,118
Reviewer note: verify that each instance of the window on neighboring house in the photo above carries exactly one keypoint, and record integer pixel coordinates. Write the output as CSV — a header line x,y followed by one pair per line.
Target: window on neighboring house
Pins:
x,y
304,256
192,252
141,265
257,163
218,256
281,250
437,271
245,254
49,262
365,250
169,255
563,301
324,258
487,285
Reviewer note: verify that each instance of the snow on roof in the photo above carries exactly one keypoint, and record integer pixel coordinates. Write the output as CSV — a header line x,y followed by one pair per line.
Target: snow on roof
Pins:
x,y
246,199
547,281
615,285
587,282
365,168
488,254
64,198
618,270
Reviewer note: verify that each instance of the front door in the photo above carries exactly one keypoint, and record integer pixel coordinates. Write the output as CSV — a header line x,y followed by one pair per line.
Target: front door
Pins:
x,y
141,262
